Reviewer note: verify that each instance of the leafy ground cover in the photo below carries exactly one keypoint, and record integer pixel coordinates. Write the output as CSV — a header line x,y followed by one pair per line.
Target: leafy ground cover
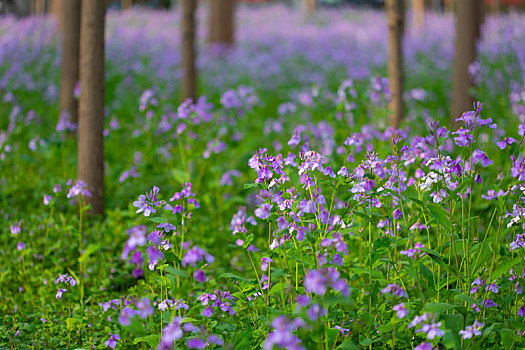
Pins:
x,y
276,211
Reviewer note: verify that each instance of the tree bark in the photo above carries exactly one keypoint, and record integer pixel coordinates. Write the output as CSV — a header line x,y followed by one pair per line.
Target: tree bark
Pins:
x,y
221,22
480,17
70,58
449,5
91,106
395,13
495,6
309,6
466,32
189,81
418,9
40,7
126,4
55,8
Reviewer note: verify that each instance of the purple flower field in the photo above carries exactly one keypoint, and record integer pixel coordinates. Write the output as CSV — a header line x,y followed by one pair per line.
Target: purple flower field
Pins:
x,y
279,209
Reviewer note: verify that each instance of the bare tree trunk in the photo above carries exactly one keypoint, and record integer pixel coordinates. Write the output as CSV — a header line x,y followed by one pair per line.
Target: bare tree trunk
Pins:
x,y
55,8
40,7
418,8
126,4
449,5
309,6
480,17
396,14
221,22
91,111
70,58
495,6
189,81
466,32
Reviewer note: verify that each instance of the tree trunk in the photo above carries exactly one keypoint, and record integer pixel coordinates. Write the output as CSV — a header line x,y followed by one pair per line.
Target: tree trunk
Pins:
x,y
418,8
480,17
55,8
466,32
70,58
395,13
91,106
495,6
449,6
126,4
40,7
309,6
221,22
189,81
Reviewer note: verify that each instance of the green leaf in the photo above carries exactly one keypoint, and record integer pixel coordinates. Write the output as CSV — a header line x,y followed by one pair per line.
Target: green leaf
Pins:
x,y
494,247
89,250
70,323
152,340
453,324
159,220
348,345
507,336
449,340
438,307
243,340
248,241
180,175
277,288
465,298
175,272
505,267
363,215
232,276
365,342
440,215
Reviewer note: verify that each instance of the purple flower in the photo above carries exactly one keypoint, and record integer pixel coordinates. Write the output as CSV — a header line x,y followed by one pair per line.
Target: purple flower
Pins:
x,y
470,331
20,246
60,292
78,188
125,316
167,227
15,228
213,339
170,334
315,311
113,303
397,214
195,255
463,137
318,281
153,253
199,276
47,199
196,343
491,194
143,206
179,304
66,279
432,330
521,311
282,336
265,262
112,340
424,346
208,311
264,211
401,310
302,301
395,290
506,141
